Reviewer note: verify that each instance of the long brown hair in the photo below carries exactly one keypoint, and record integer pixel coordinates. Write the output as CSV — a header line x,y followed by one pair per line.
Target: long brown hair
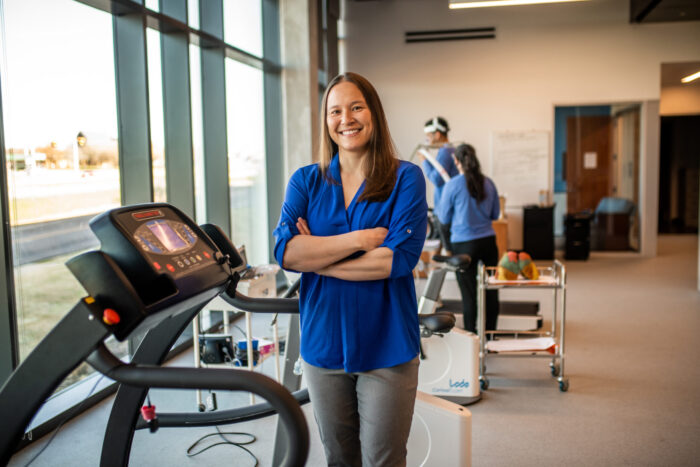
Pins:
x,y
381,163
466,156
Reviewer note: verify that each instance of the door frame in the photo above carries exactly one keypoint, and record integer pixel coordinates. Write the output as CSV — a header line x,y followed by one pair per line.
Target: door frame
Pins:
x,y
648,190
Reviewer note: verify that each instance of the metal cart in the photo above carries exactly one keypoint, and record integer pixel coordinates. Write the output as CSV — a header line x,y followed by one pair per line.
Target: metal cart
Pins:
x,y
551,277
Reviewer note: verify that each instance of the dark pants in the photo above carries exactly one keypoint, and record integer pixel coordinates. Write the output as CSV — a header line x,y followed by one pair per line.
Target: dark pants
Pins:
x,y
485,250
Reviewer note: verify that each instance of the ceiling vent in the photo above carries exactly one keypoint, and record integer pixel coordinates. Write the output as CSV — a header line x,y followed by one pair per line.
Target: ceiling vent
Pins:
x,y
449,35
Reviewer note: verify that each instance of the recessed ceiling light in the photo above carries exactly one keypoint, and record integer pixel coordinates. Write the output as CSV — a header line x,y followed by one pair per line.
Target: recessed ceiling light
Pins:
x,y
690,78
455,4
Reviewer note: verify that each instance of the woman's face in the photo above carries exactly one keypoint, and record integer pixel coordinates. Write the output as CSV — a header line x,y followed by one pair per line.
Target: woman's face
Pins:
x,y
348,118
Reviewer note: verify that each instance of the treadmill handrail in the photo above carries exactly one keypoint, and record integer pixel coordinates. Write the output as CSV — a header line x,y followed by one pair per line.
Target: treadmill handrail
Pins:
x,y
262,305
220,417
207,378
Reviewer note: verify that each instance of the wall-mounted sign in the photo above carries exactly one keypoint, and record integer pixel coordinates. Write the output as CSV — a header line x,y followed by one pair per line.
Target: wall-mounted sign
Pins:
x,y
590,160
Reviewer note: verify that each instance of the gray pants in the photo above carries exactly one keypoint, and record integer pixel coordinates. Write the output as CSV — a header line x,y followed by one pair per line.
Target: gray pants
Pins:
x,y
364,418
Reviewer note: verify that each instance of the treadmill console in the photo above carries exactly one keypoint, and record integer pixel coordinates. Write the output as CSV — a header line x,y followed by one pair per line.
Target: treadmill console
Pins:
x,y
169,245
152,257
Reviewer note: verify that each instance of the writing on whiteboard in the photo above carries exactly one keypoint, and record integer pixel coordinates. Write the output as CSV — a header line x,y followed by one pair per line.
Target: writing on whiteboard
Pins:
x,y
520,164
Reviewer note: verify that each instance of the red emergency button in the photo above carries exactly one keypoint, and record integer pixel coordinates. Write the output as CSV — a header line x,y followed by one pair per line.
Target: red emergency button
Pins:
x,y
110,317
170,267
156,265
206,254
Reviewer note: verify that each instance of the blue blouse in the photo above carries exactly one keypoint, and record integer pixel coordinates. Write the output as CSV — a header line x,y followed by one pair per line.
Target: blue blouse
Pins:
x,y
470,220
444,158
358,325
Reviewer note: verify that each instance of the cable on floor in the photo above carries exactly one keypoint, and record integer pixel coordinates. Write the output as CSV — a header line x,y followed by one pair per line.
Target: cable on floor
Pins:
x,y
241,444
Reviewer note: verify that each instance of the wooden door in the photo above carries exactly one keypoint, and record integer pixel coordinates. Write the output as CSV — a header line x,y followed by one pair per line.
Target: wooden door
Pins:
x,y
588,161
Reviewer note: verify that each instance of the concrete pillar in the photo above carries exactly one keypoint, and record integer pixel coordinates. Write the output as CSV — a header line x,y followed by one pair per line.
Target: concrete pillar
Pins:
x,y
300,89
649,177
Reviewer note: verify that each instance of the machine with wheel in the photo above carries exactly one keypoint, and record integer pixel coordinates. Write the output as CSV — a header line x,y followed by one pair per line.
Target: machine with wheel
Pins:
x,y
155,270
449,361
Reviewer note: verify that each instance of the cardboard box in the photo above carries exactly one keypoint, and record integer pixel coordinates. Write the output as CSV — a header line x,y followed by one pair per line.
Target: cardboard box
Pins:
x,y
263,284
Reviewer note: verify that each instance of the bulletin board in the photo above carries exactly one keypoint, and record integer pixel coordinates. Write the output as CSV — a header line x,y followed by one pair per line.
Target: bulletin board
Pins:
x,y
520,165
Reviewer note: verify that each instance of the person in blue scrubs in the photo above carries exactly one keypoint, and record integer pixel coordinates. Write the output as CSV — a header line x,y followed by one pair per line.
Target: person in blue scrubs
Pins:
x,y
436,130
470,204
354,225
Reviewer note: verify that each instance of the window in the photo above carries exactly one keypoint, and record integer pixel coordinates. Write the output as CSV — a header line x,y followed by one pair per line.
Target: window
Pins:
x,y
243,25
155,102
61,141
246,149
62,83
197,133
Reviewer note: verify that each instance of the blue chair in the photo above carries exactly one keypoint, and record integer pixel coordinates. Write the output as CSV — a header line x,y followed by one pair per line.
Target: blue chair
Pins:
x,y
612,221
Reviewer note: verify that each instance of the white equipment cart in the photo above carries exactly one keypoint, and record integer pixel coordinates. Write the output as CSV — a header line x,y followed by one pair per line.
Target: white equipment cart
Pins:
x,y
524,344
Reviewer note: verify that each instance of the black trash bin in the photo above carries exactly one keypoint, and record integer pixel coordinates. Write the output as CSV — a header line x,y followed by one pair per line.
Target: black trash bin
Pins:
x,y
538,231
578,236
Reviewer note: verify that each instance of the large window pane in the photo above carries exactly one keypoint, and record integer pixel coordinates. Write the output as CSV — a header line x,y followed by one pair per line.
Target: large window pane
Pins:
x,y
152,5
197,133
61,138
246,148
243,25
193,13
155,103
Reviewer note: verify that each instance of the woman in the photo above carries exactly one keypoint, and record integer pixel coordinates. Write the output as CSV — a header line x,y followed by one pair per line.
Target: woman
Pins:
x,y
470,203
354,225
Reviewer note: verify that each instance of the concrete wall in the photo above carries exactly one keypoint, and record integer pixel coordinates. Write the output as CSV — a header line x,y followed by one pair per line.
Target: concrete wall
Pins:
x,y
299,34
583,53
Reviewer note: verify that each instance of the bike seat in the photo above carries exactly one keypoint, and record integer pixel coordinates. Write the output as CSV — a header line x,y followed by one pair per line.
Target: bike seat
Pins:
x,y
441,321
458,261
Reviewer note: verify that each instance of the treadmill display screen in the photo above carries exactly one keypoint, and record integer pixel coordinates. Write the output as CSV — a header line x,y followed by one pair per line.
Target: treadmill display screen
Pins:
x,y
164,236
167,236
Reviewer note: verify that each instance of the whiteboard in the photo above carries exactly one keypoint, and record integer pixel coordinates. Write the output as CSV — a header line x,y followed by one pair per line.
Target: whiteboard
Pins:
x,y
520,165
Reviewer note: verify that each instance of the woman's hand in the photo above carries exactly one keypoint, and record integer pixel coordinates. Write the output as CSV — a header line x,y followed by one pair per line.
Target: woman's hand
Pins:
x,y
368,239
372,238
303,227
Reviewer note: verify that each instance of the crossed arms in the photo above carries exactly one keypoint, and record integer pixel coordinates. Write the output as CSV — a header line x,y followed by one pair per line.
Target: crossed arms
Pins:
x,y
325,255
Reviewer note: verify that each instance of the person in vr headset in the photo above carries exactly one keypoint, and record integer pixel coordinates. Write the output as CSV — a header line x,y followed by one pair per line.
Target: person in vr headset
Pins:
x,y
436,130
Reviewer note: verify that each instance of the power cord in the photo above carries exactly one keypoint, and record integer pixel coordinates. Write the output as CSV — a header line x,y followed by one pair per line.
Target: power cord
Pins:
x,y
65,419
241,444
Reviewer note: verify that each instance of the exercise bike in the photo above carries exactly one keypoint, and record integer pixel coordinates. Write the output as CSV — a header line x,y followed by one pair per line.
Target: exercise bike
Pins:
x,y
449,361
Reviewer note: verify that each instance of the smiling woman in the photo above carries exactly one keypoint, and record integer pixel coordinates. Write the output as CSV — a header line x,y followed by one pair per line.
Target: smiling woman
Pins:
x,y
380,166
354,225
349,120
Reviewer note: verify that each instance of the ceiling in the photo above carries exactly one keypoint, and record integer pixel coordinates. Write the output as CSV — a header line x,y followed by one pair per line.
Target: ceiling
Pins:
x,y
671,73
655,11
652,11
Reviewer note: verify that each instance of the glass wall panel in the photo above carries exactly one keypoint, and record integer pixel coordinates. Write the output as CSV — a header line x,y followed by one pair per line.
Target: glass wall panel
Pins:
x,y
243,25
152,5
155,103
246,147
61,140
197,133
596,175
193,13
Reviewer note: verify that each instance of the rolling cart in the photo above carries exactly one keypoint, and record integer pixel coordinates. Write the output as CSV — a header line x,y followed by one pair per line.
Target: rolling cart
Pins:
x,y
524,344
